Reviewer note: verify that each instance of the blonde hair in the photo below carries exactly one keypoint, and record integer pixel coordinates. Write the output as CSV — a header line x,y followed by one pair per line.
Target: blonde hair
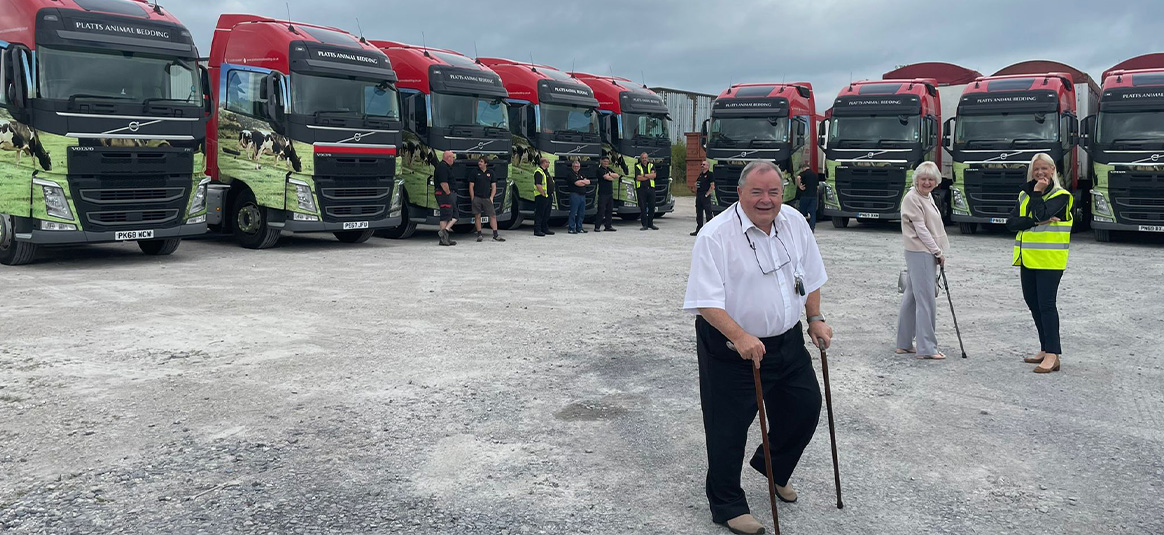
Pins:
x,y
929,169
1045,158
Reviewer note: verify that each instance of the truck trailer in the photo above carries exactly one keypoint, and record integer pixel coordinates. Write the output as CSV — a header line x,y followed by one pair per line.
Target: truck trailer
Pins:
x,y
102,121
879,132
634,120
749,122
1125,141
306,135
449,103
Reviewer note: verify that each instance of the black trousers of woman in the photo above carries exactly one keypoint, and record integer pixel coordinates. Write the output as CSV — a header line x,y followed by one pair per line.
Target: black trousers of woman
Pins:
x,y
1040,290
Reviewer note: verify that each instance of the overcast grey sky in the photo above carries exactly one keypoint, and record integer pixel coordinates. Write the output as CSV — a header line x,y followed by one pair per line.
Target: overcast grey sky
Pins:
x,y
704,46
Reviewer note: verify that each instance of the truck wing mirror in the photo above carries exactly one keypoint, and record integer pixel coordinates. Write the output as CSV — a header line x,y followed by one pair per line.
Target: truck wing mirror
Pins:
x,y
801,131
822,134
948,134
1087,132
208,104
276,110
18,87
703,134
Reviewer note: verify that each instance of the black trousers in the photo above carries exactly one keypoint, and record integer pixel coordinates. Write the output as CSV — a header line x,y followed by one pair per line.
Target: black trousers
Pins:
x,y
605,215
702,208
1040,290
541,213
728,396
646,205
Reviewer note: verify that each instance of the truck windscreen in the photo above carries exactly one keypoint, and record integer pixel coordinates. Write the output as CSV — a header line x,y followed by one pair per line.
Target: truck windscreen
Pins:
x,y
748,131
1130,127
874,128
652,126
468,110
1007,128
118,76
312,94
558,118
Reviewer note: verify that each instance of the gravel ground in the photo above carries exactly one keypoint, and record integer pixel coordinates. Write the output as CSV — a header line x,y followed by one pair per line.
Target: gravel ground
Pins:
x,y
548,385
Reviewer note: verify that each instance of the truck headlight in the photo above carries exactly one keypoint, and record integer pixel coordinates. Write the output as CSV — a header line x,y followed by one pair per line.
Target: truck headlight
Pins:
x,y
506,199
630,191
830,195
198,204
1100,205
959,200
303,194
55,202
397,196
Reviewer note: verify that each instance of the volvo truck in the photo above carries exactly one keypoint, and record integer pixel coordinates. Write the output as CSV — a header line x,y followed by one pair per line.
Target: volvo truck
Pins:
x,y
1126,144
306,135
449,103
552,116
1003,121
878,133
102,119
633,120
749,122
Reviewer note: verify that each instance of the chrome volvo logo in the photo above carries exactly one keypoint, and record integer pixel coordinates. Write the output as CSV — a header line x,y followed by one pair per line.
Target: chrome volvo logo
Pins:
x,y
359,136
134,126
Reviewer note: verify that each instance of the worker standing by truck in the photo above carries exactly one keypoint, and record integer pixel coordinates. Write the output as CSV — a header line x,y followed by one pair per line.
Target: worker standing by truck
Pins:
x,y
645,177
704,186
483,189
442,175
606,180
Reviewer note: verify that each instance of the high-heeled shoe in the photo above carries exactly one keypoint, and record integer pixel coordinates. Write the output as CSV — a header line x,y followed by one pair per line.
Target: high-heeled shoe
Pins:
x,y
1055,368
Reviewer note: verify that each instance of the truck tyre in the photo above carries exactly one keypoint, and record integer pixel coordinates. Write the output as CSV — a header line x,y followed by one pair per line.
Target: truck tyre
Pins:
x,y
516,218
1102,235
406,228
354,236
159,247
968,228
251,227
840,222
12,252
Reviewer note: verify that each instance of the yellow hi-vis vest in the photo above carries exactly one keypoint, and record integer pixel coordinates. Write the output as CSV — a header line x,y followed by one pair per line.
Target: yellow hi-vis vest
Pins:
x,y
1044,246
547,183
639,171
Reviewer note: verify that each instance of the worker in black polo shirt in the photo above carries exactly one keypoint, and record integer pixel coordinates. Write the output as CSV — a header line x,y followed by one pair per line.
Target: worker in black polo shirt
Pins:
x,y
445,198
483,190
606,180
578,185
645,178
704,186
808,183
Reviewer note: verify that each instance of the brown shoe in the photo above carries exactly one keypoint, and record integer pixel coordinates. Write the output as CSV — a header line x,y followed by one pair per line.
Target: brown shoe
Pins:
x,y
1036,359
1043,368
745,525
787,494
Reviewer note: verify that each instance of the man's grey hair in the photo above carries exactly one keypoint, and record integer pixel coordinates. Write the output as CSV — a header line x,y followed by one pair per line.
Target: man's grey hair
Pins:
x,y
758,165
927,169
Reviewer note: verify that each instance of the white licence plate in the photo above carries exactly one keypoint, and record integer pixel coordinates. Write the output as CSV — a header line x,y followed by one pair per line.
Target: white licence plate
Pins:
x,y
1151,228
355,225
998,220
869,216
126,235
484,219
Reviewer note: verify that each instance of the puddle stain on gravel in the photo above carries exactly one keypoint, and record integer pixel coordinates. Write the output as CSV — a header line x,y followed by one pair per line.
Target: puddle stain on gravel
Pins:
x,y
593,410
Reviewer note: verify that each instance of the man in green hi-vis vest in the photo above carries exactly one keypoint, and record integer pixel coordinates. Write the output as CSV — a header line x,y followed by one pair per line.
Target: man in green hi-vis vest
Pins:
x,y
645,177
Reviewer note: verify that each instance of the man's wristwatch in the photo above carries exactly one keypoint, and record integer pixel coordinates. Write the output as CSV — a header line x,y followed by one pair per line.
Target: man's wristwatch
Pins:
x,y
816,318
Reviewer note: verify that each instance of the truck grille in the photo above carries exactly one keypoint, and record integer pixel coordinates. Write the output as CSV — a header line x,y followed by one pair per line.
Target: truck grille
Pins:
x,y
130,188
349,198
136,217
993,192
1137,198
726,177
870,189
121,196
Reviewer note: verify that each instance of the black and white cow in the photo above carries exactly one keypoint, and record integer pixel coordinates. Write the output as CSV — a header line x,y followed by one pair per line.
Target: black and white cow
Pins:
x,y
263,143
244,141
23,139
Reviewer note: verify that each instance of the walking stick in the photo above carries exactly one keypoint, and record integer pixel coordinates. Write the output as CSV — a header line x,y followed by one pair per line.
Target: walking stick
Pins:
x,y
767,448
824,366
946,283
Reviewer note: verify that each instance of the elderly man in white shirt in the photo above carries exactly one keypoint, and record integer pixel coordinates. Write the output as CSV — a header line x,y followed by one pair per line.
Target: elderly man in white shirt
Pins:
x,y
753,269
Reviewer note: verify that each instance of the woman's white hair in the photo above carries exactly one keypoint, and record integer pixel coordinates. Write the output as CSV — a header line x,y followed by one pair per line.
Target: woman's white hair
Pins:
x,y
1045,158
929,169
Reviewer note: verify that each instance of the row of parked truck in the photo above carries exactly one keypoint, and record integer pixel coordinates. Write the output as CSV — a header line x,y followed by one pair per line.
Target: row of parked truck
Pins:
x,y
981,130
122,132
113,128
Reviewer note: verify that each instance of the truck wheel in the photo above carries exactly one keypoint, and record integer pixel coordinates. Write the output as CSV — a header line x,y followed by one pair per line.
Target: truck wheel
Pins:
x,y
840,222
354,236
1102,235
250,223
406,228
968,228
12,252
159,247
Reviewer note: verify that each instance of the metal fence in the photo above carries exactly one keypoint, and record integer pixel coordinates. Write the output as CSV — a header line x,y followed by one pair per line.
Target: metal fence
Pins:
x,y
688,111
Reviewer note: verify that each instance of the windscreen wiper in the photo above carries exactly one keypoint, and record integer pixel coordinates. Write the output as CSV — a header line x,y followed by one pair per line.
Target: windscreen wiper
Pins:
x,y
1134,140
82,96
149,101
333,112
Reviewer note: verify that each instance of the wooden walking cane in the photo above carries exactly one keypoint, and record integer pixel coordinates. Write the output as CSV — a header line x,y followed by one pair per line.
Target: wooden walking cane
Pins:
x,y
824,366
767,448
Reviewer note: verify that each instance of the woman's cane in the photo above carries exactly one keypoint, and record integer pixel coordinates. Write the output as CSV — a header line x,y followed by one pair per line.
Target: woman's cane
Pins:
x,y
946,283
767,448
824,366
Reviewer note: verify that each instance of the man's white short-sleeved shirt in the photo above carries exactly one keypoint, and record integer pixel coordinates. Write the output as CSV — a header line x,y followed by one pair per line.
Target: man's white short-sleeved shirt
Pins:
x,y
726,271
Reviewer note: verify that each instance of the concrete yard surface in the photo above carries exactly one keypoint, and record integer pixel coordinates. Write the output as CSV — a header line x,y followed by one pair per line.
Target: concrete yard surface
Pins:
x,y
549,385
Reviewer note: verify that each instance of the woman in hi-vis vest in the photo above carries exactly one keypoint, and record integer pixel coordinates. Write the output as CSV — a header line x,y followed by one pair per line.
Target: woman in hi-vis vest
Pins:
x,y
1042,217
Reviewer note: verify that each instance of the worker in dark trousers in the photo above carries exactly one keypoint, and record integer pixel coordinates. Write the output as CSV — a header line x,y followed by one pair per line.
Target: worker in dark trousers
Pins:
x,y
645,178
808,183
578,185
543,186
606,179
445,198
704,187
